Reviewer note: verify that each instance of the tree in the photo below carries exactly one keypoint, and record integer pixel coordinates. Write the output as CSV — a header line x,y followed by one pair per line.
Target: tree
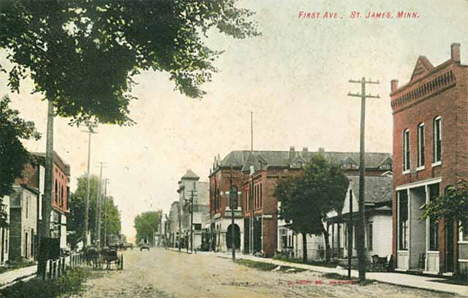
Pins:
x,y
77,205
452,205
84,55
146,225
111,222
308,198
13,155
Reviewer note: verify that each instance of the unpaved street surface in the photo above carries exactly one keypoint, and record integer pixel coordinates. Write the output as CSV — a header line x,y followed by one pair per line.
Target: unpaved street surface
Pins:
x,y
165,273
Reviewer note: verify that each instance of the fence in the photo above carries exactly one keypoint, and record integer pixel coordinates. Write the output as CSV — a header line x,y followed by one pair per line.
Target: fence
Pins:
x,y
58,267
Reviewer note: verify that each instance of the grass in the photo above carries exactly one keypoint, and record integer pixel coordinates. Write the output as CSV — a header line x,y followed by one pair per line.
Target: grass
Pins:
x,y
12,265
269,267
70,283
300,261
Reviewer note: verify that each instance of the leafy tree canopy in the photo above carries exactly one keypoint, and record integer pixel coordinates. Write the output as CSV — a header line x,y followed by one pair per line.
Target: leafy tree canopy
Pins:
x,y
307,199
77,204
453,204
147,225
13,155
83,55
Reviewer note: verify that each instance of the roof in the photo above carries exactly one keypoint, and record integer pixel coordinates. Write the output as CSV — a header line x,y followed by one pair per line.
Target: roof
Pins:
x,y
258,159
190,175
57,160
378,188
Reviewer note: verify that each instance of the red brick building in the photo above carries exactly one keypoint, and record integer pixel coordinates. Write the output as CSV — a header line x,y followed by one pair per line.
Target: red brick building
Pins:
x,y
33,177
255,176
430,150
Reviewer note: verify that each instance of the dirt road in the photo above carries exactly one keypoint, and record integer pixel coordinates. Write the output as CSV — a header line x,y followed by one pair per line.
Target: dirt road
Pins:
x,y
165,273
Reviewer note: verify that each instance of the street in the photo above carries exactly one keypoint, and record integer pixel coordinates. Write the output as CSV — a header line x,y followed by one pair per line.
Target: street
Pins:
x,y
167,273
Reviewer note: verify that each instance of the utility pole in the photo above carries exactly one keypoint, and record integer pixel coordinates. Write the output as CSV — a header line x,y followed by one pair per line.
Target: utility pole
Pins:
x,y
106,181
191,220
97,225
362,165
350,233
233,205
90,131
180,226
47,197
251,192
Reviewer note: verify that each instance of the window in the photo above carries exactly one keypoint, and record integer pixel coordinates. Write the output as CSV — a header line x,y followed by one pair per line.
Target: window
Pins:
x,y
370,236
403,220
437,144
433,225
261,195
406,150
421,145
463,232
27,207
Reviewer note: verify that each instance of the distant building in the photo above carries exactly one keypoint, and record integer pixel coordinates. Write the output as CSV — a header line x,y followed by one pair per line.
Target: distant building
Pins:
x,y
23,223
193,197
256,175
430,147
174,224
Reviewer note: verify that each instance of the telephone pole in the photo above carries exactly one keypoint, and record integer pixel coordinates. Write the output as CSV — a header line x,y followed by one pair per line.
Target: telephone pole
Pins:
x,y
97,225
90,131
106,181
233,205
362,165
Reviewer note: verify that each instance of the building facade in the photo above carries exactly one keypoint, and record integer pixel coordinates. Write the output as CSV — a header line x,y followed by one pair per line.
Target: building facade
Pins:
x,y
430,148
193,198
23,223
257,173
5,232
34,178
378,214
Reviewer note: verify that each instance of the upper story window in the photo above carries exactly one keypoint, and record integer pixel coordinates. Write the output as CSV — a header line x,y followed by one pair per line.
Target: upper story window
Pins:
x,y
406,150
421,157
437,156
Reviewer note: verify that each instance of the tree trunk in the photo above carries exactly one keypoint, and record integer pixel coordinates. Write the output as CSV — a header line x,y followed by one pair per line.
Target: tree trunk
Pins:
x,y
304,247
327,243
47,197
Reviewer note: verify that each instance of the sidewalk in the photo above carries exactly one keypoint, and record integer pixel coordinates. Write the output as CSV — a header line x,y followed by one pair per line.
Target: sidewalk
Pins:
x,y
12,276
400,279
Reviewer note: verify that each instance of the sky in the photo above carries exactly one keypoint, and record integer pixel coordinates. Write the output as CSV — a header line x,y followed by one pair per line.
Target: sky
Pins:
x,y
294,78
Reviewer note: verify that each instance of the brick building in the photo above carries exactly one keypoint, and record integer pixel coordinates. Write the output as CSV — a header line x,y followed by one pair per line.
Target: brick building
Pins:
x,y
34,178
430,149
254,177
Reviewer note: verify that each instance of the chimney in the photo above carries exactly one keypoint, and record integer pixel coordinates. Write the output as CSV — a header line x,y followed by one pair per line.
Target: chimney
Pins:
x,y
292,152
455,52
321,150
305,149
393,85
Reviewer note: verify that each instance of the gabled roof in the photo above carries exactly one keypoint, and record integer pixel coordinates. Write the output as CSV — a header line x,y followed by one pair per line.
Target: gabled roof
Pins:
x,y
378,188
245,159
422,67
190,175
